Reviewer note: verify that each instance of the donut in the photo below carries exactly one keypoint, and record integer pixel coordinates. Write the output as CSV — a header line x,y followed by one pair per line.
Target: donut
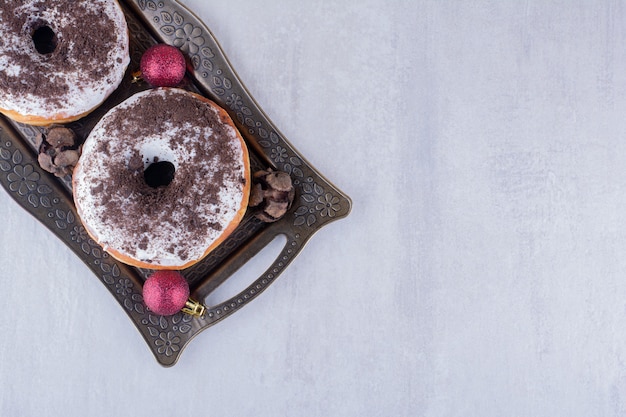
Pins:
x,y
59,59
163,179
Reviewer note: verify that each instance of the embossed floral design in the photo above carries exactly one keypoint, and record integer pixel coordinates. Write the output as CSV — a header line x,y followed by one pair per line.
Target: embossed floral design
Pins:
x,y
234,102
279,154
189,38
78,234
23,179
183,326
167,343
328,205
124,287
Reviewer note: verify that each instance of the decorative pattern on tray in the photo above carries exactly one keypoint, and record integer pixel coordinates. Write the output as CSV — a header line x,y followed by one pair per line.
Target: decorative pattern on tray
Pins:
x,y
49,199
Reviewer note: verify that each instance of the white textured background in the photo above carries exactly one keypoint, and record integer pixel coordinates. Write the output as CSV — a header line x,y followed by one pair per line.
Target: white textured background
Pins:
x,y
482,271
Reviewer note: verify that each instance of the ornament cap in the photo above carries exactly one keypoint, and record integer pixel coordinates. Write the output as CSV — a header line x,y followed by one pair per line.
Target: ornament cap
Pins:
x,y
194,308
137,77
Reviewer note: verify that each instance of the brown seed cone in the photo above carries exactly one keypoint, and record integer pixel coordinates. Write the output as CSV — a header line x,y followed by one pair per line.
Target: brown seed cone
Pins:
x,y
271,195
58,151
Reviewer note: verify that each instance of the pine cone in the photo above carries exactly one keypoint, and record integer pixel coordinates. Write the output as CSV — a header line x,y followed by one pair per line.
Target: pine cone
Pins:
x,y
271,195
58,151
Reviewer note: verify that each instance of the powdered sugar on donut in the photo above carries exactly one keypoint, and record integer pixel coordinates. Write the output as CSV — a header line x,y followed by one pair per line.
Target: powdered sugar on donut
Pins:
x,y
86,65
171,224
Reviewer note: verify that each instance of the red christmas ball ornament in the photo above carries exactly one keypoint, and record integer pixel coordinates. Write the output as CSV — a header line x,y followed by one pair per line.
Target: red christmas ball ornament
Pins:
x,y
165,292
163,66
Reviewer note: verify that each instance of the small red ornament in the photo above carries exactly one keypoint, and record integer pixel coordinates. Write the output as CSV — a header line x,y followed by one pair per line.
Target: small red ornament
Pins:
x,y
163,66
165,292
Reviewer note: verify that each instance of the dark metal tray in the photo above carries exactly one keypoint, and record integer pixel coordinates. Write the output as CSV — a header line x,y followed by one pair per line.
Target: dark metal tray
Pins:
x,y
49,199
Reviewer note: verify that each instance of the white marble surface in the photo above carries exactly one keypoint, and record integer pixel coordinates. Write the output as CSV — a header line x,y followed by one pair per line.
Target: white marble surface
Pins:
x,y
482,271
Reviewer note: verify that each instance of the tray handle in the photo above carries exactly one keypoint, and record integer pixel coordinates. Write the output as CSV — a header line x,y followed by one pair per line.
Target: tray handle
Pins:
x,y
294,243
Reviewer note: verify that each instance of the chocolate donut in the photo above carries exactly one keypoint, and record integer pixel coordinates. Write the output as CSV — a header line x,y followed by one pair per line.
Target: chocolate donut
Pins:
x,y
163,178
59,59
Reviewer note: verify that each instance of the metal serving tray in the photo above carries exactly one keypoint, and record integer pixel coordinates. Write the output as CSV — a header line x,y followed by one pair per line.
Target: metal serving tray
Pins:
x,y
49,199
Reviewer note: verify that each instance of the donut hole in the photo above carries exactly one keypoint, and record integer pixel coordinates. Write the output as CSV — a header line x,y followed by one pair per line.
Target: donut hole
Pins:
x,y
159,174
45,39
